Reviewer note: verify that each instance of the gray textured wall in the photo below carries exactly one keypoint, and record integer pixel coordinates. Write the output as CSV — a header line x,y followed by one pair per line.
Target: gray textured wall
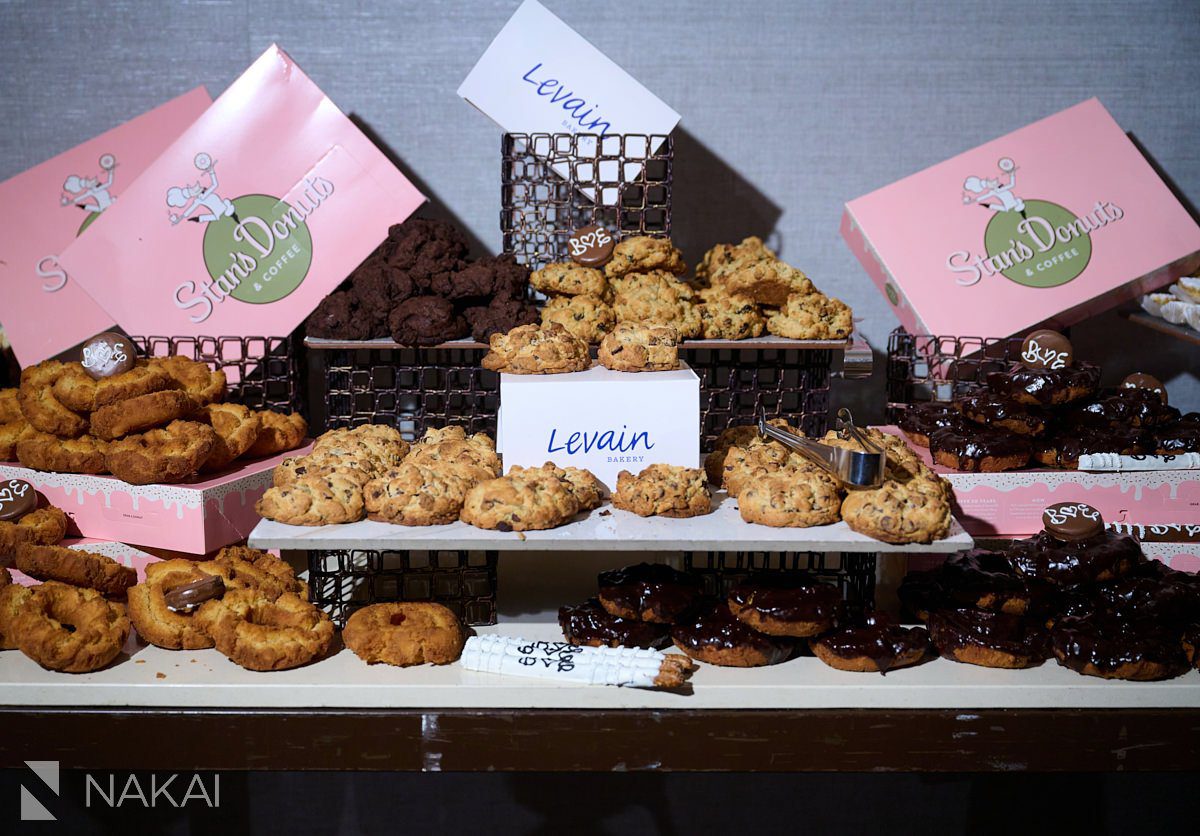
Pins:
x,y
789,108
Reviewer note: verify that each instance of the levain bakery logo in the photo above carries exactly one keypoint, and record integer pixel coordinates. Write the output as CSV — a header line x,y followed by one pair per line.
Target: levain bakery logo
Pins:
x,y
1034,243
257,248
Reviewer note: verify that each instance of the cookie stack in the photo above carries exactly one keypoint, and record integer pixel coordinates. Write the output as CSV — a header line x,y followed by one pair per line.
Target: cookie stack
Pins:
x,y
247,604
159,421
1049,417
419,288
778,487
1084,595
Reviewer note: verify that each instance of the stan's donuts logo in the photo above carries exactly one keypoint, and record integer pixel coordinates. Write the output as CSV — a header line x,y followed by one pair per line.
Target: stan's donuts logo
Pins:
x,y
1034,243
257,247
92,195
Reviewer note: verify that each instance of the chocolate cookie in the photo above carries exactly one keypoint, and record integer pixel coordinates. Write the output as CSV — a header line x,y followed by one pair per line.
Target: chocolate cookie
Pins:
x,y
499,277
425,250
426,320
338,317
499,316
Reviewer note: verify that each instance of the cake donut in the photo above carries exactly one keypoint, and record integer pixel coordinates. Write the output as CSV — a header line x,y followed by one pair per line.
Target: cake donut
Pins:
x,y
145,412
43,526
264,635
979,449
42,451
75,567
877,645
154,620
170,454
989,639
590,625
13,598
1046,387
648,592
404,634
39,406
977,579
67,628
783,604
712,634
920,420
1139,649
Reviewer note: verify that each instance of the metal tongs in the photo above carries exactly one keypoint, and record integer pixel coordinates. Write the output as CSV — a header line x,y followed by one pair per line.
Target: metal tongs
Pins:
x,y
855,469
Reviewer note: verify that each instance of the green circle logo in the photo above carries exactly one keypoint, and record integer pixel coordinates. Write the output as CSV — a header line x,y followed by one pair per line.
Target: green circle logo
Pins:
x,y
892,295
1047,247
87,222
262,256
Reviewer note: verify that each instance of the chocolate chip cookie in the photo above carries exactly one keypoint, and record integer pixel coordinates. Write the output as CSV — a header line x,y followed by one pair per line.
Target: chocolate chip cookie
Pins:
x,y
643,253
813,316
529,349
791,500
726,316
640,347
530,499
662,303
587,317
916,511
569,279
768,282
725,259
314,500
663,490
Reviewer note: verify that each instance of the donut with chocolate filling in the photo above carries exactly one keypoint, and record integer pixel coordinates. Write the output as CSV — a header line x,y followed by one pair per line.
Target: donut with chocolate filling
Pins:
x,y
1101,557
919,421
783,604
648,592
977,579
1046,387
711,633
590,625
1003,413
979,449
988,639
878,644
1140,649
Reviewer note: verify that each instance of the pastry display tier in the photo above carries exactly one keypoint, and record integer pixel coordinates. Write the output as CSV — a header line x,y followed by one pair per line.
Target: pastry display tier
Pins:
x,y
1179,332
153,677
758,343
605,529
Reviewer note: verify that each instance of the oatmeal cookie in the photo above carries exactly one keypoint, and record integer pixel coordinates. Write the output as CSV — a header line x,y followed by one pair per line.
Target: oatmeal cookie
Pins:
x,y
550,349
42,451
528,500
791,500
202,384
640,347
264,635
39,405
66,628
236,429
75,567
663,490
730,317
416,494
724,259
166,455
11,433
569,279
587,317
916,511
642,253
145,412
768,282
404,634
664,304
277,433
812,317
314,500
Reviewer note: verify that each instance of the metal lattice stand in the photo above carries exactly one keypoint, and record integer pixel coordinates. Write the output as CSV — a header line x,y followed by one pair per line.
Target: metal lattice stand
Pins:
x,y
263,372
927,367
342,580
551,184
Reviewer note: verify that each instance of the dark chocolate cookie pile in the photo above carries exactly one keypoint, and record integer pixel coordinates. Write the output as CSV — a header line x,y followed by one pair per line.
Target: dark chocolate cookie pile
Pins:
x,y
419,288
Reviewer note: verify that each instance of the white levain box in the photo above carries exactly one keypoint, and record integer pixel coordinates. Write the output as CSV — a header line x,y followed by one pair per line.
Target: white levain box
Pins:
x,y
599,419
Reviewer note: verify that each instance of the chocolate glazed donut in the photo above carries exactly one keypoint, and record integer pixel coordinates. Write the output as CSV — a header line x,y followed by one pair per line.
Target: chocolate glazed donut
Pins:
x,y
711,633
989,639
1140,649
1046,387
781,604
590,624
878,644
976,579
648,592
1102,557
979,449
1003,413
920,420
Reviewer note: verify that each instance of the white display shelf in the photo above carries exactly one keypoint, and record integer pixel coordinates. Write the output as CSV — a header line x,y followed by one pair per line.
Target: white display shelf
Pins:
x,y
604,529
149,677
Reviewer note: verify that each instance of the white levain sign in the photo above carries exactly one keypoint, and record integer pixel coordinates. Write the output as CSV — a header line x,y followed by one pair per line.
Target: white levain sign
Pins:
x,y
601,420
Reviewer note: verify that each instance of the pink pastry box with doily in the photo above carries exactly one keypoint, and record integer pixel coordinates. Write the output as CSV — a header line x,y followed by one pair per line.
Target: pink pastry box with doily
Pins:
x,y
124,554
1010,503
197,517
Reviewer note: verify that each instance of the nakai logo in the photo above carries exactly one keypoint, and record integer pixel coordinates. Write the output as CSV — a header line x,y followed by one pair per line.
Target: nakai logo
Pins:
x,y
257,248
1034,243
92,195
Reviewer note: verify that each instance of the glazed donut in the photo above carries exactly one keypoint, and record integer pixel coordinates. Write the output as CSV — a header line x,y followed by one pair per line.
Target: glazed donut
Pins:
x,y
648,592
66,628
878,644
41,408
711,634
148,610
988,639
144,412
79,391
201,383
171,454
262,635
75,567
11,434
1139,649
782,604
13,599
404,634
277,434
42,451
236,429
42,526
590,625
